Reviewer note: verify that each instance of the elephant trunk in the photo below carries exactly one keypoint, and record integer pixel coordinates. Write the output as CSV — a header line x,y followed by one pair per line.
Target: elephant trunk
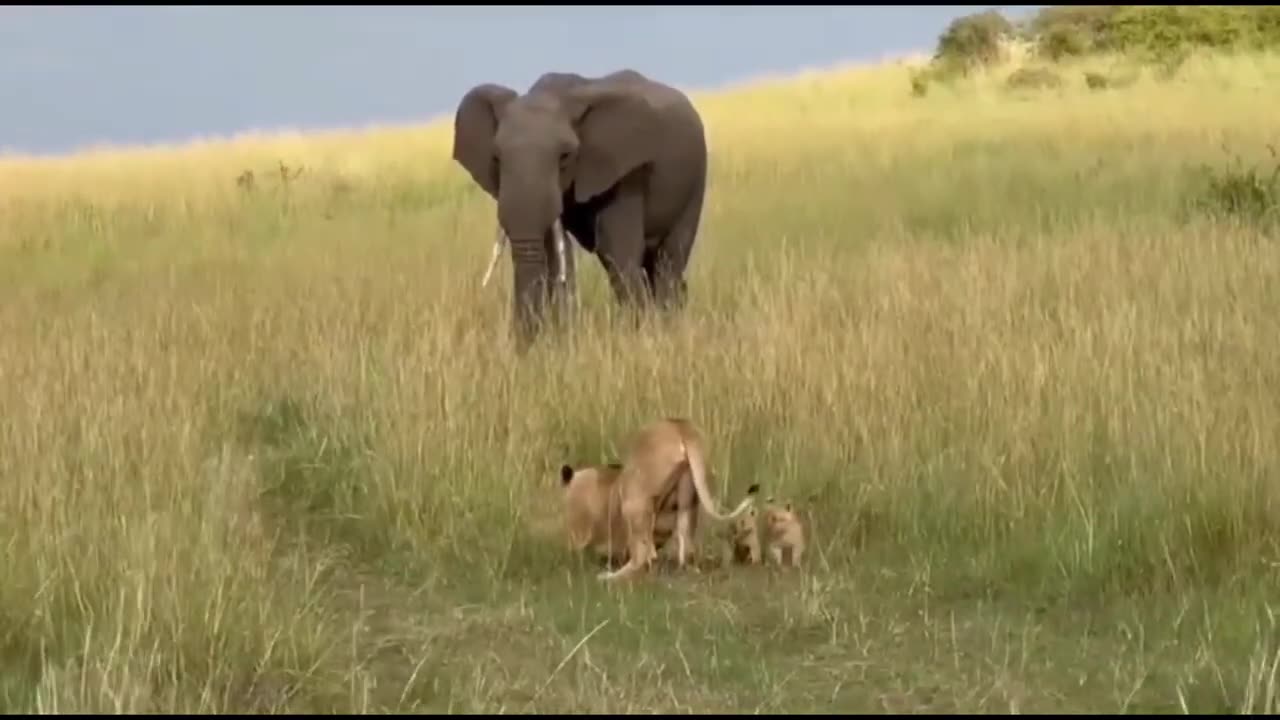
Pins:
x,y
529,206
529,257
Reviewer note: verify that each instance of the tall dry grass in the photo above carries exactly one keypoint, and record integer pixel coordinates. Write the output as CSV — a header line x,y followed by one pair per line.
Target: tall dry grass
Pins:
x,y
270,449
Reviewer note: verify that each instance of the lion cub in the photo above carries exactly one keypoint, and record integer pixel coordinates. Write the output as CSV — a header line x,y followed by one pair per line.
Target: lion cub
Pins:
x,y
742,539
783,531
658,488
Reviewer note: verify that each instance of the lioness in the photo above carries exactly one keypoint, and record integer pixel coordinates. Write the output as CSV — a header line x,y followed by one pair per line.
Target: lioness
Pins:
x,y
627,510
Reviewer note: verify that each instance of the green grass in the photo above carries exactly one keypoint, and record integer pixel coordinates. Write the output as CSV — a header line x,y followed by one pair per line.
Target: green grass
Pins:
x,y
271,450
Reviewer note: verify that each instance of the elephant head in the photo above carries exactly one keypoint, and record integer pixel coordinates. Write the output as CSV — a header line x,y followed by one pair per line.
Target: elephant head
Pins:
x,y
528,151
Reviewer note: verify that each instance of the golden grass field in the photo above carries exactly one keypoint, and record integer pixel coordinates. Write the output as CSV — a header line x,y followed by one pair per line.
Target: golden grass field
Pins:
x,y
271,450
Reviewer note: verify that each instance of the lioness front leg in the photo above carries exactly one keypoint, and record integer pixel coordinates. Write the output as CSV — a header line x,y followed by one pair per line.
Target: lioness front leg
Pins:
x,y
639,517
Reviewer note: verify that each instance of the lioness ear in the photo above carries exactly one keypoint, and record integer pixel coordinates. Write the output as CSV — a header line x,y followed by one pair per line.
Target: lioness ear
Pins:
x,y
566,474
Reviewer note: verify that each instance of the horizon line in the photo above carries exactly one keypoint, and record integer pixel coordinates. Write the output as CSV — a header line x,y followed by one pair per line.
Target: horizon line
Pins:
x,y
280,131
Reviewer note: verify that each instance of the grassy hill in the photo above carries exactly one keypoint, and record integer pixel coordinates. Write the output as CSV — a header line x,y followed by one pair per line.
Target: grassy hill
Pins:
x,y
266,447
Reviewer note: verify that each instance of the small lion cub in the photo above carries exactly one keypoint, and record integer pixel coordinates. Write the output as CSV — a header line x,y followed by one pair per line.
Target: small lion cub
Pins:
x,y
783,531
742,539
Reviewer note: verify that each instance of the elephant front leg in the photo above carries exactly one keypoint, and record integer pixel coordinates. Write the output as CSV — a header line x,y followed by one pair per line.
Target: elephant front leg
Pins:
x,y
620,247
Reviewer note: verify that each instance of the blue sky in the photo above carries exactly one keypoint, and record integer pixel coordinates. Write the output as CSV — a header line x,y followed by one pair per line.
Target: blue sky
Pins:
x,y
76,76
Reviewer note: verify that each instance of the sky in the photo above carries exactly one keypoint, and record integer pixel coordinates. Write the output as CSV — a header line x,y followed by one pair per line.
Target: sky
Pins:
x,y
72,77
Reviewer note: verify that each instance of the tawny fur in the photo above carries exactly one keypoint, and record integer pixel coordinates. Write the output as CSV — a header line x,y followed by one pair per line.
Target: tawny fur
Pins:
x,y
783,532
630,510
592,519
742,539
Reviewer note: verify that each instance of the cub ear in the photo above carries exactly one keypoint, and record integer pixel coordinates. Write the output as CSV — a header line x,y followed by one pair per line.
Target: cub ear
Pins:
x,y
566,474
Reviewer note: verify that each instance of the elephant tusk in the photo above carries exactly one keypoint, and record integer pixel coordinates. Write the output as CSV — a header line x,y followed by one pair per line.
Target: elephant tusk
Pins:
x,y
498,244
561,272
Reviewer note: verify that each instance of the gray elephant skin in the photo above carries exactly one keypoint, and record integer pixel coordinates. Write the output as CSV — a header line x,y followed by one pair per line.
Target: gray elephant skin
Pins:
x,y
619,160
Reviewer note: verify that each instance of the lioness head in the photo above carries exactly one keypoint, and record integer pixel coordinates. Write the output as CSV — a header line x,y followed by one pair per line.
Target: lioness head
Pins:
x,y
590,513
606,473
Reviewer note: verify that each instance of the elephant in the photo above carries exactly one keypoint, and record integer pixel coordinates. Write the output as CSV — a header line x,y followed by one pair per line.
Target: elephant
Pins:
x,y
618,161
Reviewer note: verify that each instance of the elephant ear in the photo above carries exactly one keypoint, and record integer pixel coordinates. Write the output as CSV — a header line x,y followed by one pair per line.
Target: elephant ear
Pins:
x,y
617,132
474,125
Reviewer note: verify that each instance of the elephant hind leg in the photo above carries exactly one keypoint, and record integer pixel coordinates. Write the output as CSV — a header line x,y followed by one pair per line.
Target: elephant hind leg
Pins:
x,y
651,266
666,278
671,257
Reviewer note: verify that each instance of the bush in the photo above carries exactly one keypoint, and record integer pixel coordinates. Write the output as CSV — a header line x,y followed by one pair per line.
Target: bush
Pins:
x,y
1251,194
1033,78
973,40
968,42
1063,42
938,71
1070,31
1096,81
1157,32
920,83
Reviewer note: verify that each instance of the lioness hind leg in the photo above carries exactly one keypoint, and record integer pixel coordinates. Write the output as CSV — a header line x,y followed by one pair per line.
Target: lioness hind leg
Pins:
x,y
639,516
686,517
684,535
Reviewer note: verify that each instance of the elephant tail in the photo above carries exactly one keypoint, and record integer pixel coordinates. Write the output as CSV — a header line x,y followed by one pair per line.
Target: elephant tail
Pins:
x,y
695,456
